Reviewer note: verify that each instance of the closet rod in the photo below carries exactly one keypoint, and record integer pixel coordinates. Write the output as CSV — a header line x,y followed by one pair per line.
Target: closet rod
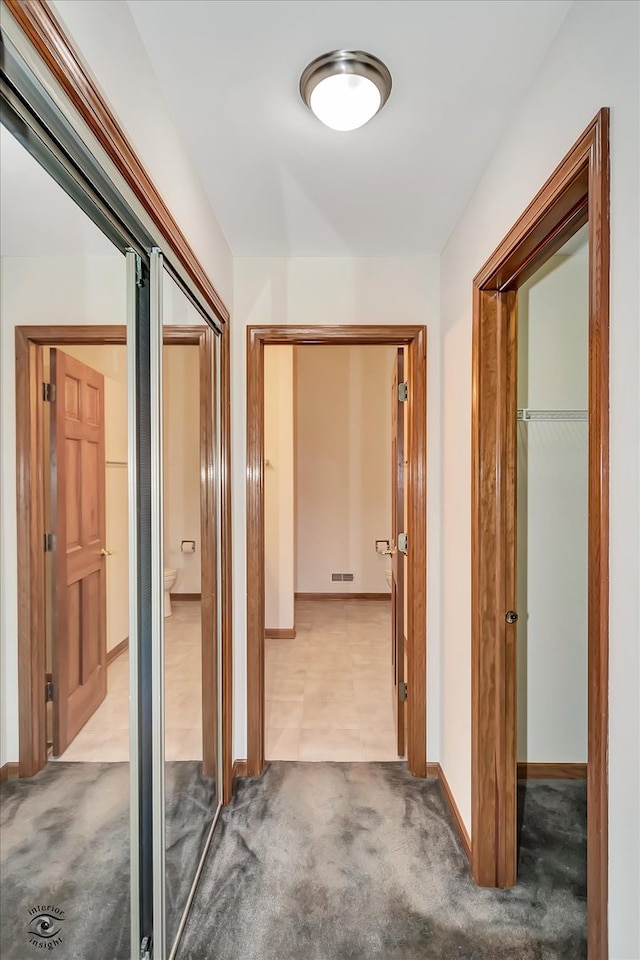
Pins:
x,y
527,414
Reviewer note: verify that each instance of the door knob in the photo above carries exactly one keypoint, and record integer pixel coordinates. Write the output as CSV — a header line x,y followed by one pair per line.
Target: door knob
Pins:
x,y
511,616
106,553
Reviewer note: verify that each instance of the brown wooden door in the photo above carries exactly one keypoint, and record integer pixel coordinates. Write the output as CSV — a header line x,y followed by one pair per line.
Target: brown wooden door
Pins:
x,y
398,558
79,652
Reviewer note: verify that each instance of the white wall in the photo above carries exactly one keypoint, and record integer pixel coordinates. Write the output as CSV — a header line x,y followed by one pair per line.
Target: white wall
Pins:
x,y
43,291
279,541
553,364
181,440
131,87
592,63
343,466
345,290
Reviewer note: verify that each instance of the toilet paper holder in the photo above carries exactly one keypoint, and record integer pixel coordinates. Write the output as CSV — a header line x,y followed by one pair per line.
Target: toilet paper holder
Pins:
x,y
188,546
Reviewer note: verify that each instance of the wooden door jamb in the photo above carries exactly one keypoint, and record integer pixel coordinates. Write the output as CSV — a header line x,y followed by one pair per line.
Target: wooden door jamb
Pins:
x,y
414,337
576,193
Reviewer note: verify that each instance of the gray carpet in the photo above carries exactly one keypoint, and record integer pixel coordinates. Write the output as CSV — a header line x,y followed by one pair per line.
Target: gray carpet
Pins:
x,y
64,840
341,861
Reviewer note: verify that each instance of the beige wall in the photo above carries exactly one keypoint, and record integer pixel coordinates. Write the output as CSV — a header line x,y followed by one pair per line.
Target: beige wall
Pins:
x,y
553,346
343,466
279,561
181,439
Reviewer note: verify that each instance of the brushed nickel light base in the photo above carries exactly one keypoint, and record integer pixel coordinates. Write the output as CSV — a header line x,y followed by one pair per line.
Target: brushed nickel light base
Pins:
x,y
346,62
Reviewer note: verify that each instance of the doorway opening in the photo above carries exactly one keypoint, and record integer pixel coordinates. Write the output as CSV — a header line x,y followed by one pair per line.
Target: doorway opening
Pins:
x,y
334,584
576,194
413,339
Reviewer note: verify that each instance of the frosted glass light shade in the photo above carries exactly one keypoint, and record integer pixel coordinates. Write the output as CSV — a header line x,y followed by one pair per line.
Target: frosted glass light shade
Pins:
x,y
345,101
345,88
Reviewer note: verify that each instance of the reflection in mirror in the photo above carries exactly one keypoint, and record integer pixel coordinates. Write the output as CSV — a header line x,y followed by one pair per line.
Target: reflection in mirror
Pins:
x,y
191,789
65,832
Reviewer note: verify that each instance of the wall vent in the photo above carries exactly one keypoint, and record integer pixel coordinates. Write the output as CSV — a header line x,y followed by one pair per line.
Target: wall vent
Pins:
x,y
347,577
342,577
336,577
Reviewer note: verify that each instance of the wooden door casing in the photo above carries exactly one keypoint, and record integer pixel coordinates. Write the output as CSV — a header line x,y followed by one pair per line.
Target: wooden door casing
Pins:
x,y
398,558
414,338
577,192
78,511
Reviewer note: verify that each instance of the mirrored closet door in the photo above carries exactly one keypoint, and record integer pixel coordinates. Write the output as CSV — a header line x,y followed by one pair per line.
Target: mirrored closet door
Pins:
x,y
190,570
110,565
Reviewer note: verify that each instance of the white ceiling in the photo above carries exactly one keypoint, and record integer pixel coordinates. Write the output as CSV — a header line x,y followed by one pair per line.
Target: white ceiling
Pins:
x,y
37,218
282,184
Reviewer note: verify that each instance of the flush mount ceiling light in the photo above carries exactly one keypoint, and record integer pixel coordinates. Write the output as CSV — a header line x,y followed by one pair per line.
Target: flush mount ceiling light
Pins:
x,y
345,88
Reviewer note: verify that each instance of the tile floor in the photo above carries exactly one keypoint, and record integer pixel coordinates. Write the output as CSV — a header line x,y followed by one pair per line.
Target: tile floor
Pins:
x,y
329,692
106,735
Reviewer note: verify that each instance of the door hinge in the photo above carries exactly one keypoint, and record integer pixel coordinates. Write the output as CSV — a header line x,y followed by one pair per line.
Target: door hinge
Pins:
x,y
403,542
403,391
403,692
49,392
145,949
48,691
49,542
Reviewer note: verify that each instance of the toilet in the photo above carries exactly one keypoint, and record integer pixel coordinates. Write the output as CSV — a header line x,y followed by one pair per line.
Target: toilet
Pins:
x,y
170,575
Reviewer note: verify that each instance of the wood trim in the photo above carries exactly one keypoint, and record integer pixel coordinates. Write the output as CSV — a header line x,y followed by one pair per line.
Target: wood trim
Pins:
x,y
415,338
598,534
343,596
30,513
579,183
9,771
117,651
416,563
275,633
209,535
463,833
255,553
31,575
552,771
186,597
397,598
227,566
44,32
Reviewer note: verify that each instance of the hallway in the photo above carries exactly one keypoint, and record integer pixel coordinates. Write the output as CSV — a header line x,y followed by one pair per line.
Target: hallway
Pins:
x,y
331,861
